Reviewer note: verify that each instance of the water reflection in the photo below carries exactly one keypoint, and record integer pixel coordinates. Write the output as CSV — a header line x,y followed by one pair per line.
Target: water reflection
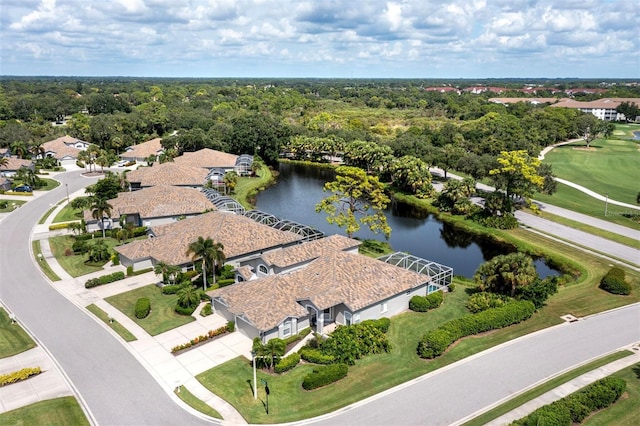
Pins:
x,y
414,231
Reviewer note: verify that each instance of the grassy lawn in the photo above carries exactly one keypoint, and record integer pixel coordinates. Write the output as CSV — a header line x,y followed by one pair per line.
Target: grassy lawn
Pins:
x,y
75,264
544,388
115,325
44,265
58,411
195,403
13,339
49,184
162,317
572,199
247,187
68,214
607,168
11,205
626,411
48,213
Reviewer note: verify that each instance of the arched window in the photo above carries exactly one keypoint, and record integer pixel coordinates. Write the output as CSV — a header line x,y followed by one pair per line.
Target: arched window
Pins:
x,y
263,270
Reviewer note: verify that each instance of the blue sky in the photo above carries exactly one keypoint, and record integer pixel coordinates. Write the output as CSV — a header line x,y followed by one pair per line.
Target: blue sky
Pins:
x,y
321,38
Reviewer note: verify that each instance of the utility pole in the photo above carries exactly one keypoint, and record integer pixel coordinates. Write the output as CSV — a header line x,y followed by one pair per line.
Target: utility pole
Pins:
x,y
606,201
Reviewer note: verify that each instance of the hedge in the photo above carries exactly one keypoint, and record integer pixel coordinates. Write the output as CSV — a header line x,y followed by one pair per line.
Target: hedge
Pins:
x,y
226,282
185,310
315,356
424,303
578,406
614,282
105,279
436,341
143,307
287,363
59,226
210,335
322,376
171,289
18,376
381,324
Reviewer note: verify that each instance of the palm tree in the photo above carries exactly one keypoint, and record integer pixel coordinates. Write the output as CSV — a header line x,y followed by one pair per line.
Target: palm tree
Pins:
x,y
99,208
19,148
37,150
208,251
188,296
4,161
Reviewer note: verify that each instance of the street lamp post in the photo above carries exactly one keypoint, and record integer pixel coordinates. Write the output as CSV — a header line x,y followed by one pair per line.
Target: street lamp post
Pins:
x,y
67,188
606,201
255,385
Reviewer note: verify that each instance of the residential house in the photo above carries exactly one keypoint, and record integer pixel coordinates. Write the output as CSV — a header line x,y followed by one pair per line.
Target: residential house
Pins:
x,y
242,238
5,152
142,151
167,173
5,184
153,206
14,164
65,149
604,109
319,284
217,162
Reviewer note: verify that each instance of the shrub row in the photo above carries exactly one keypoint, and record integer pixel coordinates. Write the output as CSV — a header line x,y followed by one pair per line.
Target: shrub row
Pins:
x,y
23,194
315,356
577,406
436,341
296,337
132,273
210,335
287,363
59,226
508,221
18,376
184,310
381,324
225,282
614,282
142,308
484,300
322,376
171,289
424,303
105,279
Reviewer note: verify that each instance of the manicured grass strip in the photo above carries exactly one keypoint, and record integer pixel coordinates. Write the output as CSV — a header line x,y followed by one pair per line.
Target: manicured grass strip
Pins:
x,y
162,317
75,264
527,396
628,241
195,403
58,411
115,325
49,184
606,168
10,205
13,339
44,265
247,187
47,214
626,411
67,214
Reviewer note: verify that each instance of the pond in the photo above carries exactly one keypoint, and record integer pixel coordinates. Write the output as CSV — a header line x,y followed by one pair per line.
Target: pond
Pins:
x,y
413,231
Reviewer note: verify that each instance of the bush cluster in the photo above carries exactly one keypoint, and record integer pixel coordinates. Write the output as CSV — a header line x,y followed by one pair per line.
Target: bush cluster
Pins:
x,y
539,291
577,406
225,282
18,376
436,341
507,221
322,376
231,326
424,303
171,289
287,363
381,324
105,279
315,356
142,308
206,310
210,335
184,310
615,283
484,300
350,343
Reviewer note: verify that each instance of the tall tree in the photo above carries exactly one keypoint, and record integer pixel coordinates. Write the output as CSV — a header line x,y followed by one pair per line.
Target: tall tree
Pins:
x,y
99,208
517,174
356,198
209,252
411,174
505,273
589,127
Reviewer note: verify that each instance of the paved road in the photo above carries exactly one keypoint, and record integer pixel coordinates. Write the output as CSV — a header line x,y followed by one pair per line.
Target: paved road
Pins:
x,y
450,395
118,390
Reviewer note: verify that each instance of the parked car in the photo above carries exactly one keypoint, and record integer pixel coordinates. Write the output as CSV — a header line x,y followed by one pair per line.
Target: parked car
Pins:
x,y
22,188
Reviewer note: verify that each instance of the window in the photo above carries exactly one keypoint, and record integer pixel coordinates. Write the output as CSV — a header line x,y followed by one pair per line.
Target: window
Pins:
x,y
383,307
347,318
263,270
356,318
286,328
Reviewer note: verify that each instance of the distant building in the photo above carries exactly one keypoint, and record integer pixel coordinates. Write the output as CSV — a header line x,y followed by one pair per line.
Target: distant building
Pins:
x,y
604,109
142,151
65,149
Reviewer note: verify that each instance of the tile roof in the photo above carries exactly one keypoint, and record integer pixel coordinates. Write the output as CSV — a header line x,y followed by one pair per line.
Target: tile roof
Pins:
x,y
168,174
158,201
289,256
238,234
63,147
207,158
144,149
15,163
336,277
